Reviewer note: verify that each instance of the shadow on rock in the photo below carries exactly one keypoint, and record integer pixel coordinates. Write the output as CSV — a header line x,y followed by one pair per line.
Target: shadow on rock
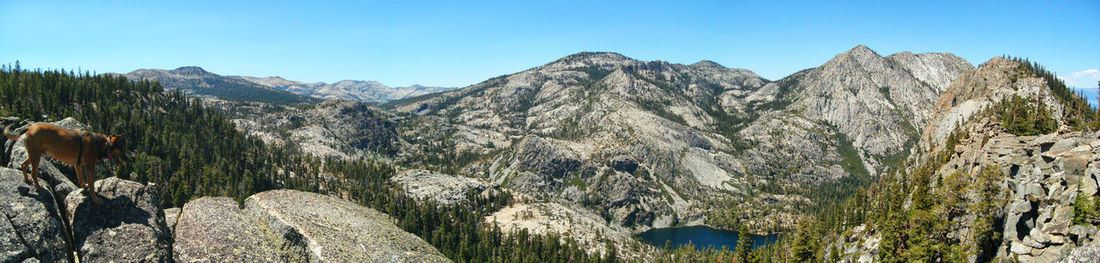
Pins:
x,y
129,226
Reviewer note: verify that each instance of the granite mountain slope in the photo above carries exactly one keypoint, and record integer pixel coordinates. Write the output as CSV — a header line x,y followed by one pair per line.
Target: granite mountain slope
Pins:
x,y
651,143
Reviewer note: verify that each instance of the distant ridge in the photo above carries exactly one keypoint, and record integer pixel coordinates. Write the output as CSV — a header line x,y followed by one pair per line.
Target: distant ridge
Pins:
x,y
359,90
197,81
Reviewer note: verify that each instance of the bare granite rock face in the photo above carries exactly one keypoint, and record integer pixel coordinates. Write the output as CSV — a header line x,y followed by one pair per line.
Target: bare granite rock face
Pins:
x,y
327,229
292,226
869,98
570,221
214,229
1084,254
171,217
438,187
30,228
129,226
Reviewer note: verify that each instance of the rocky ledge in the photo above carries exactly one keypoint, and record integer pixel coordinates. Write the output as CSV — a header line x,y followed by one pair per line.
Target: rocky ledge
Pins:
x,y
130,226
293,226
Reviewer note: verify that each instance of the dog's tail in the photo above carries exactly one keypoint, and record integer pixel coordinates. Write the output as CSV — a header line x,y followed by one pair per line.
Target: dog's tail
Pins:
x,y
14,134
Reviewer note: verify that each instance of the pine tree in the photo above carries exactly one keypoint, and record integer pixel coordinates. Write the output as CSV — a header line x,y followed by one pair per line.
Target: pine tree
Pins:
x,y
744,244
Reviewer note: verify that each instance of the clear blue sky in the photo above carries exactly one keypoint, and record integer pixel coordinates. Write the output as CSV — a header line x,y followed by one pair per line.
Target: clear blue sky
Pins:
x,y
457,44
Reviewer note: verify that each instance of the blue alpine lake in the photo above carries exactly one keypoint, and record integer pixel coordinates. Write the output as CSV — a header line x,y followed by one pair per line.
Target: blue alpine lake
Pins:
x,y
700,236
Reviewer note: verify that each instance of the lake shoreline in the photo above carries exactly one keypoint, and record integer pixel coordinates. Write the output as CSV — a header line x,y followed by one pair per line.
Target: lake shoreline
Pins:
x,y
701,237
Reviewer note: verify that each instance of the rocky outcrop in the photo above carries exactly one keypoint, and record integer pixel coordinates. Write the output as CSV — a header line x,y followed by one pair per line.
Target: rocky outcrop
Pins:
x,y
336,128
570,221
977,90
214,229
1044,175
326,229
438,187
129,226
1038,180
293,226
30,228
280,225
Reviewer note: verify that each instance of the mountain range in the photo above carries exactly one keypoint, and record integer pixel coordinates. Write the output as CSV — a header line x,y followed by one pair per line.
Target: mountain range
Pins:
x,y
908,157
196,81
656,144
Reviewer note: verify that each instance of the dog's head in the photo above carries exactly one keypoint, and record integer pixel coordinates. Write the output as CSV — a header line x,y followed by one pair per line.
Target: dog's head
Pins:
x,y
116,149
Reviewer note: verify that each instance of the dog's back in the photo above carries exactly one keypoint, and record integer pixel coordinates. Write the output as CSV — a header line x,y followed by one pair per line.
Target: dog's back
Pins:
x,y
58,142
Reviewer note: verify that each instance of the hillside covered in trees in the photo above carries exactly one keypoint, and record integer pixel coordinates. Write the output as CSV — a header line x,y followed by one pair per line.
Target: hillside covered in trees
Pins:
x,y
190,151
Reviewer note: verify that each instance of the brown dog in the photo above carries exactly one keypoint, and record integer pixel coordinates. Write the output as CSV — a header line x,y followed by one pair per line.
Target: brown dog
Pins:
x,y
81,149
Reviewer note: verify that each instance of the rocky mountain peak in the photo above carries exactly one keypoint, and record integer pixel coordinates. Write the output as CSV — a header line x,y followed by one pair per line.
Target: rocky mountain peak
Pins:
x,y
707,64
860,49
591,59
999,62
861,55
597,55
191,70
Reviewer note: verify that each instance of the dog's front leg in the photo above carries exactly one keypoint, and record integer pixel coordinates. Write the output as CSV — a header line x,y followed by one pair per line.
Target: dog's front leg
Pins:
x,y
80,176
89,176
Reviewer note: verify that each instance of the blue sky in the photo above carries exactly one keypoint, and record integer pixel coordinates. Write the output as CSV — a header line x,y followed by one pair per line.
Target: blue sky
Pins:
x,y
456,44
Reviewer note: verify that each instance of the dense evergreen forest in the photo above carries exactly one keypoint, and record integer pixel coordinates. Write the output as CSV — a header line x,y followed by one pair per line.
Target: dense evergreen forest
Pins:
x,y
190,151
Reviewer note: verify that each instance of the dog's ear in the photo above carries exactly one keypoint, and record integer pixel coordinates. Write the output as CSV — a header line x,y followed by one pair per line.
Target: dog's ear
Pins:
x,y
116,141
117,149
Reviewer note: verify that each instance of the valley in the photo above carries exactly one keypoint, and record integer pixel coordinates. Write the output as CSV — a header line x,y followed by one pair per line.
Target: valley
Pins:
x,y
646,144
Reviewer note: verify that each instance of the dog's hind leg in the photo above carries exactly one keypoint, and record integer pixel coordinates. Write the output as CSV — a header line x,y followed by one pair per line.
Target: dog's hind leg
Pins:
x,y
34,157
23,168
